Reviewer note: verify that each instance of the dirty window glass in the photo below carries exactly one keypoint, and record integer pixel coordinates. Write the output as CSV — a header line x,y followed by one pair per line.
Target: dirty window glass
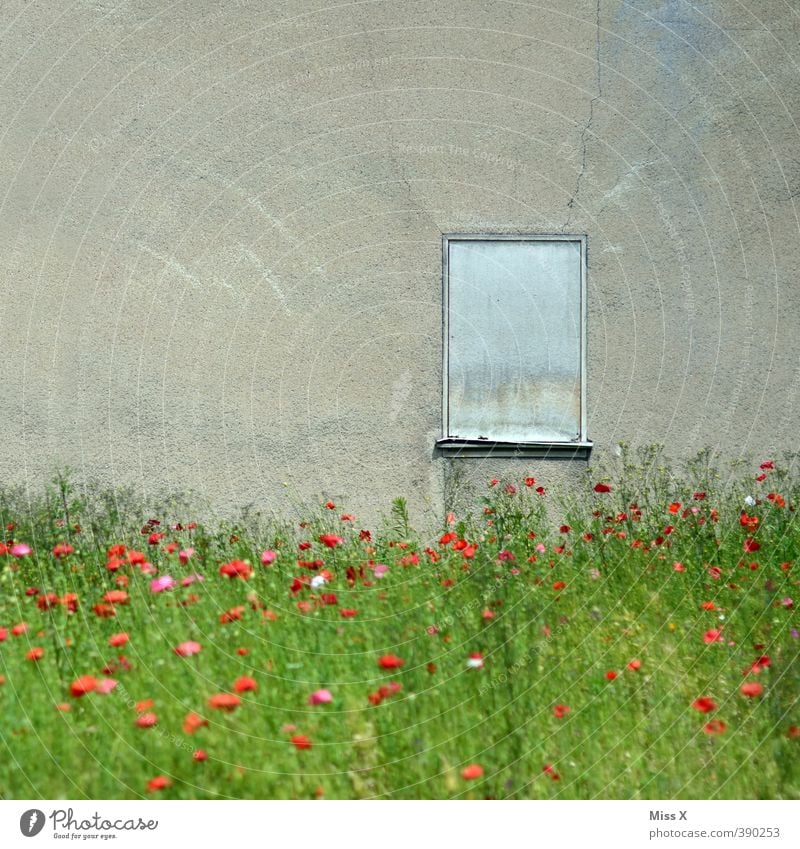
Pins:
x,y
514,336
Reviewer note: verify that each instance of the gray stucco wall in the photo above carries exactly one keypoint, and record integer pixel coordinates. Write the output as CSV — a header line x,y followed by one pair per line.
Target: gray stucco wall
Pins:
x,y
220,229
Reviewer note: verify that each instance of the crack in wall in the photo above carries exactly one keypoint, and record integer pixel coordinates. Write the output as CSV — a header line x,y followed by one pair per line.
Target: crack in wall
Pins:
x,y
587,128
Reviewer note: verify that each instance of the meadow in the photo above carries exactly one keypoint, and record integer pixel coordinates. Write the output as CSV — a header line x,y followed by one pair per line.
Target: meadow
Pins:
x,y
637,640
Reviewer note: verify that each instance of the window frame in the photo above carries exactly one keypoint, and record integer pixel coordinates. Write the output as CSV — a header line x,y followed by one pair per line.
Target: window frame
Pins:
x,y
578,448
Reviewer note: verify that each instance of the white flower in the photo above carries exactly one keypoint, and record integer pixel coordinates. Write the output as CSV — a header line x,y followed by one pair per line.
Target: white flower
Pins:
x,y
318,581
750,501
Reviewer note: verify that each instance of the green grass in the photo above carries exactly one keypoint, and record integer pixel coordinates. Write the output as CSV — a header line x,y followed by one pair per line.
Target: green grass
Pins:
x,y
541,644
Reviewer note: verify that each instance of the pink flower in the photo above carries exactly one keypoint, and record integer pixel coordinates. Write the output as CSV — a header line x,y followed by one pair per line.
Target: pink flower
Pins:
x,y
191,579
268,557
379,570
188,648
163,582
20,550
320,697
185,555
105,686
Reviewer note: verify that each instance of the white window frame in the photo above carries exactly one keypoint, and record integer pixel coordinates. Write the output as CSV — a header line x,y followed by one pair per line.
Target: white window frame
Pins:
x,y
577,448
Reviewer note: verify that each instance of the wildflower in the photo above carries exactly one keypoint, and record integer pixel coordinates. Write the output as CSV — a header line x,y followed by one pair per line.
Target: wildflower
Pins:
x,y
300,741
268,557
185,555
187,649
602,487
715,726
193,722
224,701
61,550
475,661
318,581
36,653
116,597
320,697
611,675
751,545
712,636
704,704
117,640
163,582
750,501
245,684
390,661
347,612
751,689
635,665
200,755
471,772
560,711
146,720
236,569
160,782
549,771
331,540
83,685
20,550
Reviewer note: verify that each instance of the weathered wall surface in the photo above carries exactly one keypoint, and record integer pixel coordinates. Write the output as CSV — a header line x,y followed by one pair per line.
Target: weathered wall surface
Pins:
x,y
220,228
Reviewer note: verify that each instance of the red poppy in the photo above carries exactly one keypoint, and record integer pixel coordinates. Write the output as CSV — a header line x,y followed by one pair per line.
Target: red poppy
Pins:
x,y
560,711
116,597
390,661
715,726
559,585
704,704
549,771
83,685
471,772
793,732
146,720
751,689
347,612
611,675
36,653
143,705
117,640
634,665
712,636
300,741
200,755
236,569
158,783
331,540
245,684
62,549
751,545
193,722
224,701
231,615
19,629
602,487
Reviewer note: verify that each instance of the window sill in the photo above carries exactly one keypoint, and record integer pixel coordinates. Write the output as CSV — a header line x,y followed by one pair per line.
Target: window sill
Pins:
x,y
452,446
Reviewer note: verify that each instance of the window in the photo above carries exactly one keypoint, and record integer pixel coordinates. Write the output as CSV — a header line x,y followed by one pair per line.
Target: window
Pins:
x,y
514,345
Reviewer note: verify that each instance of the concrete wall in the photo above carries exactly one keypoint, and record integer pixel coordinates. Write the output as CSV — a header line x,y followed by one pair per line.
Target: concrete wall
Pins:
x,y
220,228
